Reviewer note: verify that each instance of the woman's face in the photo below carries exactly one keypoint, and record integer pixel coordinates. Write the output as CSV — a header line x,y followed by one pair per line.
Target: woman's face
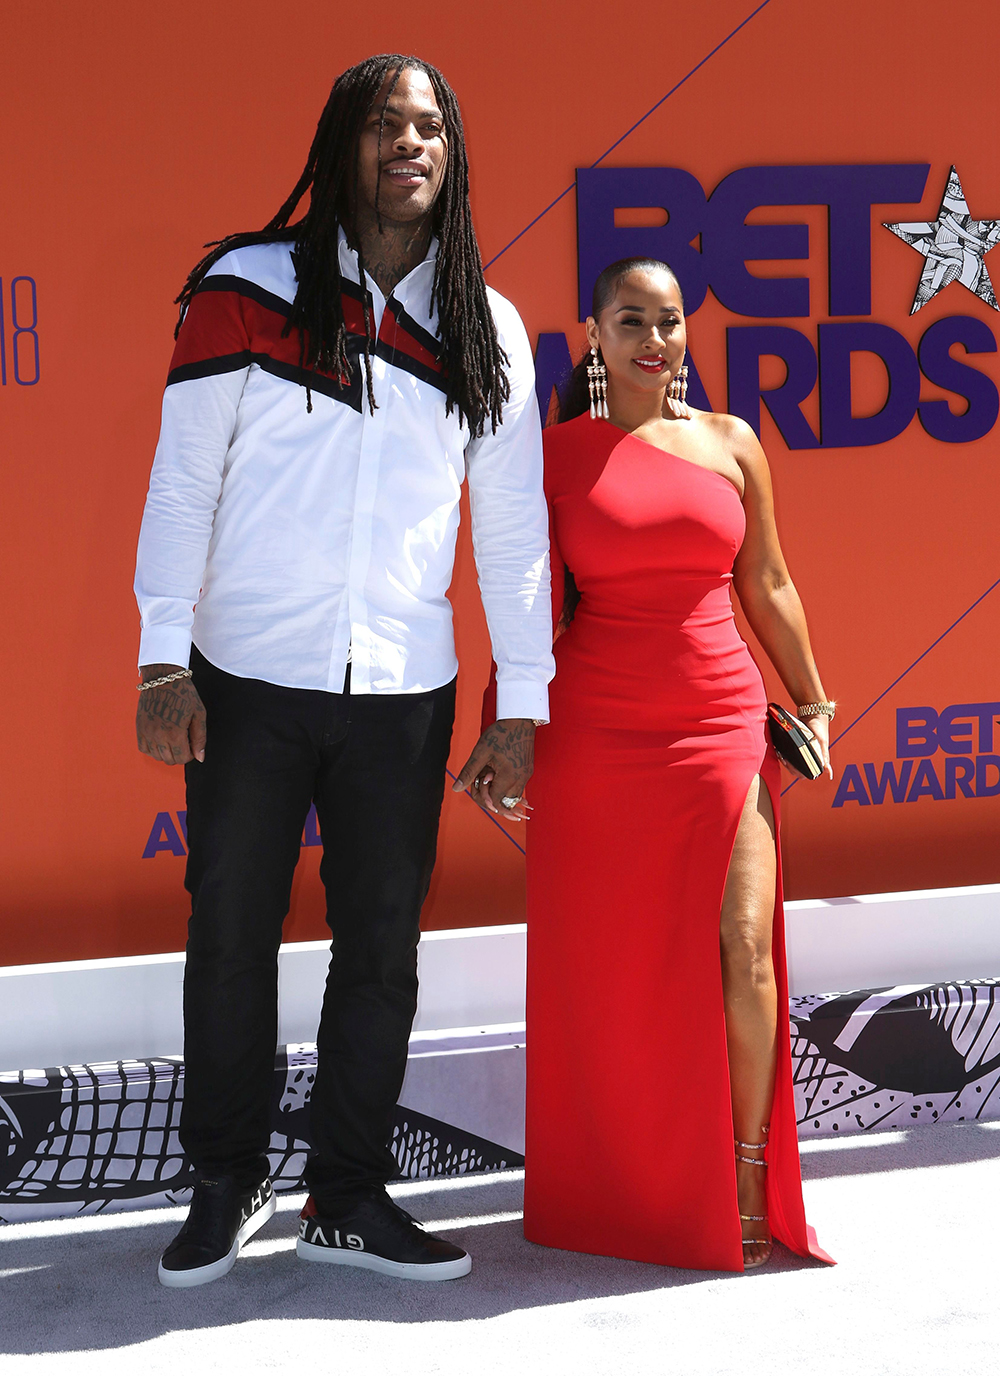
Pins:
x,y
641,332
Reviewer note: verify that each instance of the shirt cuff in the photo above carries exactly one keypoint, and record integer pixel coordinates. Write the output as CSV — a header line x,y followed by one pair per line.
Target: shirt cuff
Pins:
x,y
527,700
165,645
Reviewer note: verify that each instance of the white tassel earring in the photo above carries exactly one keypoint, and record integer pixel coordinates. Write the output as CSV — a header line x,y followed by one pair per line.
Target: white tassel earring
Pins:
x,y
677,394
597,385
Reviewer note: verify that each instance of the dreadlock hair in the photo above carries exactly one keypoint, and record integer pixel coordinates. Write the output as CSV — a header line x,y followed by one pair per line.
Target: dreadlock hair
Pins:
x,y
576,396
473,361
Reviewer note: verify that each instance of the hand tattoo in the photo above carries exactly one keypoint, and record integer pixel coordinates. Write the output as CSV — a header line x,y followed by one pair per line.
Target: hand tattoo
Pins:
x,y
164,715
172,704
513,741
500,766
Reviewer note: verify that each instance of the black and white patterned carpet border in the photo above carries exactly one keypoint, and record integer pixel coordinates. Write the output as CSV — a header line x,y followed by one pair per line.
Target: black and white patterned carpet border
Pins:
x,y
84,1138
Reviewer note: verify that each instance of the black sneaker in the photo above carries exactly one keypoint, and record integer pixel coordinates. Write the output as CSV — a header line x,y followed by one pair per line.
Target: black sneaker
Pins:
x,y
379,1236
222,1218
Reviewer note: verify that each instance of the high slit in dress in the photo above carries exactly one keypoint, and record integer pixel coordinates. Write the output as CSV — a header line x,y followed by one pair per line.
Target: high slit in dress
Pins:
x,y
657,732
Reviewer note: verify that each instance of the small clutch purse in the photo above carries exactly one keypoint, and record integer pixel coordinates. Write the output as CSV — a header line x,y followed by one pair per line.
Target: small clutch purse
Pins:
x,y
791,742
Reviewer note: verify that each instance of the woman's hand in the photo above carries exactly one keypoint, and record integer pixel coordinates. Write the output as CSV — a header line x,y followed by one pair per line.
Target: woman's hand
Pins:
x,y
819,729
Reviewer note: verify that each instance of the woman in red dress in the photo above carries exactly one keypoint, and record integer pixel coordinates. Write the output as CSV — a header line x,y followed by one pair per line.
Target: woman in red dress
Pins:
x,y
661,1122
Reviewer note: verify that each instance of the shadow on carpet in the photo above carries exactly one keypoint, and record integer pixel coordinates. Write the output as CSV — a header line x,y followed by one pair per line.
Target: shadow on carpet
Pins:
x,y
109,1277
950,1144
90,1284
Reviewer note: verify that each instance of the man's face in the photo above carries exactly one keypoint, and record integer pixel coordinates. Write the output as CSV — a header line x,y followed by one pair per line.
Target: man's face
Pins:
x,y
414,150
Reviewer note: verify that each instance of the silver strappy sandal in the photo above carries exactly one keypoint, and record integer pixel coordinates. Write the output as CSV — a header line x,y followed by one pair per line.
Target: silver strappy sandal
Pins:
x,y
767,1242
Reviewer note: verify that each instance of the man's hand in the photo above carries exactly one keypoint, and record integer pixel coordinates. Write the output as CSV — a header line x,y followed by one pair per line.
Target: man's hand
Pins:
x,y
170,720
500,767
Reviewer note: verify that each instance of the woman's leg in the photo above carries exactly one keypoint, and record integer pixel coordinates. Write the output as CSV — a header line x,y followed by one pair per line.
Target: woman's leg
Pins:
x,y
750,997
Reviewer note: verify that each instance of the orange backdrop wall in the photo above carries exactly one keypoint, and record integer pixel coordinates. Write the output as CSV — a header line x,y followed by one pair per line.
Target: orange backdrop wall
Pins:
x,y
132,136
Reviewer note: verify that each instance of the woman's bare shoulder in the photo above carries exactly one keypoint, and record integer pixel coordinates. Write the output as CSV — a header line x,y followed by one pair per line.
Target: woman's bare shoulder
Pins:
x,y
736,437
731,430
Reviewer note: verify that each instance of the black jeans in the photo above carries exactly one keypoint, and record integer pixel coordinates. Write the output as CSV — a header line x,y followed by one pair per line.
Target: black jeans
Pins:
x,y
375,766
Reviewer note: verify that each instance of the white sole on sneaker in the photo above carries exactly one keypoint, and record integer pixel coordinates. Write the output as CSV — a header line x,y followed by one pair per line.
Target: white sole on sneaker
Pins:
x,y
201,1275
368,1261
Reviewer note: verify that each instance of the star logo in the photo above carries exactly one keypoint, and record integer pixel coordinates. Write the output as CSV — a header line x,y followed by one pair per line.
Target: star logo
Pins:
x,y
954,246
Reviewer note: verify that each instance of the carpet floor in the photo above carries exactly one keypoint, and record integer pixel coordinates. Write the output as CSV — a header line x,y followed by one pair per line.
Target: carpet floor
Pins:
x,y
908,1215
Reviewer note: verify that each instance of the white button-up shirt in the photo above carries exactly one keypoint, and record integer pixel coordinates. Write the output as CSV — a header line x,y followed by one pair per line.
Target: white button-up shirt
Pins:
x,y
285,543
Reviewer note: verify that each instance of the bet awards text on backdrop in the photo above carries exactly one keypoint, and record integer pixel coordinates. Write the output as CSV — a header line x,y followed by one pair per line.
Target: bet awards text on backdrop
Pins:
x,y
953,247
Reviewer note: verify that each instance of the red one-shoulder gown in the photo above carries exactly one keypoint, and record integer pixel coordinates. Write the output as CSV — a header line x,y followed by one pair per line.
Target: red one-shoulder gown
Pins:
x,y
657,731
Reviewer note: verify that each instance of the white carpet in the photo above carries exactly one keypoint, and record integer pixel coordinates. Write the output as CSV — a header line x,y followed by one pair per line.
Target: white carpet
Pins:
x,y
911,1218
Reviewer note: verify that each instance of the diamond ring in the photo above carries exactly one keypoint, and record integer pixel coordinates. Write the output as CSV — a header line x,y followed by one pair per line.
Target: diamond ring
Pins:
x,y
510,802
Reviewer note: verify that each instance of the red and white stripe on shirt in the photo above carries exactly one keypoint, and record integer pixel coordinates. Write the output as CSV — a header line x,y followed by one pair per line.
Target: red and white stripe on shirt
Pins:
x,y
286,542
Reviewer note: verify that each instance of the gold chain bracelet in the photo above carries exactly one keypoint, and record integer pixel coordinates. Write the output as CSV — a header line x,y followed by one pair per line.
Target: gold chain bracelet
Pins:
x,y
818,709
167,678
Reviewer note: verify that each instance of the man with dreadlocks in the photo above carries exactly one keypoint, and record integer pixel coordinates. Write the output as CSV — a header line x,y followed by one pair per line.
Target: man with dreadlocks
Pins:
x,y
334,380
